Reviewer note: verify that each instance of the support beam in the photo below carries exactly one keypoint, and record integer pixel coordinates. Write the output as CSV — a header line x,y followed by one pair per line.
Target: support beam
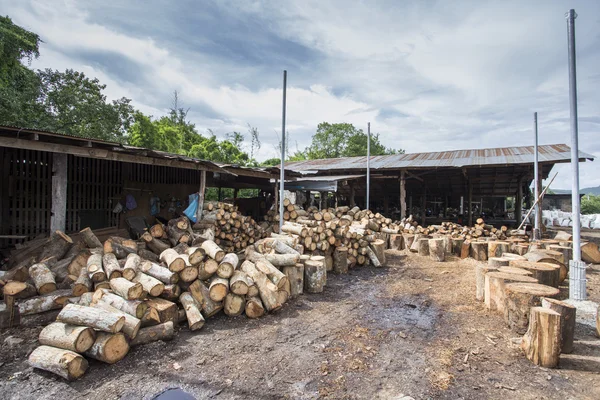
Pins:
x,y
58,216
201,191
402,194
538,214
519,202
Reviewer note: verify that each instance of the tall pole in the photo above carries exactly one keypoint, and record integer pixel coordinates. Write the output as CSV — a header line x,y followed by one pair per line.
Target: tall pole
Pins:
x,y
281,177
368,162
576,267
536,229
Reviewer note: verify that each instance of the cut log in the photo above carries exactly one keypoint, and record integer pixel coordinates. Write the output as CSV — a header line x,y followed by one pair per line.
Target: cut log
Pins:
x,y
295,229
567,321
213,250
479,251
201,294
83,283
171,292
513,256
498,262
456,244
515,270
157,246
314,276
148,255
154,333
254,307
131,325
109,348
227,265
94,318
497,248
282,260
408,239
267,289
295,277
378,247
423,247
218,288
396,241
590,253
282,248
150,317
480,271
167,310
545,273
112,269
157,230
494,288
340,260
542,341
47,302
90,239
549,257
189,273
78,262
519,298
159,272
136,308
153,286
234,304
563,236
465,249
68,337
172,259
238,283
94,268
57,246
275,275
192,311
42,278
126,289
64,363
120,247
437,249
196,255
132,266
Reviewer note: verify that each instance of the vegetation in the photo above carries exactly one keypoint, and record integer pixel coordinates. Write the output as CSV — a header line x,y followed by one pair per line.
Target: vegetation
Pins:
x,y
590,204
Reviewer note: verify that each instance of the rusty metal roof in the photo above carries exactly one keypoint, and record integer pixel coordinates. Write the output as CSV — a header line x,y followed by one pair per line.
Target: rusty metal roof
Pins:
x,y
552,153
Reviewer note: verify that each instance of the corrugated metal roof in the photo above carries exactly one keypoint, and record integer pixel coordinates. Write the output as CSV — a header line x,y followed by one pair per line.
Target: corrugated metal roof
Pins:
x,y
557,153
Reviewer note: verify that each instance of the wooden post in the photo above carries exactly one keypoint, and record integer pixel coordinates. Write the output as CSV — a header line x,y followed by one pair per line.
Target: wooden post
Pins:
x,y
307,204
470,203
540,204
59,192
424,205
320,201
402,194
519,202
201,191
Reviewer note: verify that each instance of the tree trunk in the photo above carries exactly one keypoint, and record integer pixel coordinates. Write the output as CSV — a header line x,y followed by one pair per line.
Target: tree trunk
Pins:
x,y
94,268
218,288
234,305
157,246
545,273
150,284
148,255
275,275
282,260
518,300
68,337
109,348
494,288
94,318
159,272
201,294
64,363
136,308
131,326
157,230
282,248
567,321
541,343
42,278
590,253
254,307
479,251
112,269
78,262
192,311
515,270
126,289
456,244
132,266
227,265
189,273
437,249
295,279
154,333
267,289
57,246
480,271
238,283
90,238
213,250
396,241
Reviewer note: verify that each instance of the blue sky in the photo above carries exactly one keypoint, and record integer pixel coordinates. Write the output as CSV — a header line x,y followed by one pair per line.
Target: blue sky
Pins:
x,y
428,75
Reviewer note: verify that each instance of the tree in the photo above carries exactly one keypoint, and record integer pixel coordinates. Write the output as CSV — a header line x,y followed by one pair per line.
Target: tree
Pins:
x,y
271,162
357,146
590,204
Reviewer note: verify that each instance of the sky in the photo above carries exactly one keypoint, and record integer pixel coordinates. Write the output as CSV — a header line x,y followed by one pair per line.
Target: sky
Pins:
x,y
428,75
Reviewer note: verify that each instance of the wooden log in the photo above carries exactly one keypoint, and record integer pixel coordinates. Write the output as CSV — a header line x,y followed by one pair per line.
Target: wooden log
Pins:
x,y
132,266
545,273
78,262
480,271
549,257
42,278
315,276
234,304
498,262
109,347
159,272
196,255
111,266
171,292
101,285
590,253
94,318
68,337
282,248
90,239
479,251
120,247
153,286
39,304
192,311
155,245
282,260
201,294
519,298
126,289
148,255
497,248
83,283
227,265
150,317
494,288
267,289
213,250
437,249
56,246
172,260
515,270
542,341
295,277
136,308
340,260
423,247
378,247
396,241
189,273
64,363
167,310
157,230
408,239
465,249
94,268
275,275
131,326
238,283
456,244
567,321
513,256
254,307
218,288
164,332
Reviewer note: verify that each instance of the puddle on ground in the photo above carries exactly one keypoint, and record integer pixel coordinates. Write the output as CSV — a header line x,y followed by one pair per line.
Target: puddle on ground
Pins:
x,y
174,394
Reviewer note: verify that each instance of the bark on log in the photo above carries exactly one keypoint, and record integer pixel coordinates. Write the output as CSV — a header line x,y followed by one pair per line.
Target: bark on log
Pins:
x,y
136,308
126,289
189,273
218,288
159,272
497,248
157,246
150,284
295,276
456,244
228,264
408,239
157,230
192,311
90,238
172,259
47,302
437,249
283,248
567,321
480,271
171,292
378,247
94,268
549,257
267,289
154,333
83,283
465,249
234,304
340,260
518,300
42,278
282,260
196,255
541,344
396,241
314,276
109,348
132,266
201,293
57,246
120,247
295,229
148,255
68,337
94,318
213,250
111,266
479,251
150,317
423,247
254,307
64,363
275,275
494,288
167,310
239,283
131,326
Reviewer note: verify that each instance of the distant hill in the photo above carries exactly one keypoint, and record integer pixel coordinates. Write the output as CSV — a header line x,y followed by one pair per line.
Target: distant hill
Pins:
x,y
590,190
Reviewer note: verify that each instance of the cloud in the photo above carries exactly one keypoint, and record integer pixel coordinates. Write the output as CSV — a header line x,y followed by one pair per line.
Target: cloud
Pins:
x,y
428,75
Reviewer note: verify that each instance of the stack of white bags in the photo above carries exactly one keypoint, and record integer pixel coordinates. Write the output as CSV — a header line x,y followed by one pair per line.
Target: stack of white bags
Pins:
x,y
561,218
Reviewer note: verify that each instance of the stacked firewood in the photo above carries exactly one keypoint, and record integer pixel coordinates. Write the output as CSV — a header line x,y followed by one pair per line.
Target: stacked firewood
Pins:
x,y
480,230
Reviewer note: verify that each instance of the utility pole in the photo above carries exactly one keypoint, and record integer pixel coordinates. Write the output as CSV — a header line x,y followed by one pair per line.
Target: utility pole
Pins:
x,y
536,183
368,162
282,171
577,286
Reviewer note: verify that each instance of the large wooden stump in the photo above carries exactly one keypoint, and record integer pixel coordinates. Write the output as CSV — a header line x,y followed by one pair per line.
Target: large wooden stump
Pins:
x,y
545,273
64,363
549,257
100,320
494,288
408,239
480,271
479,251
396,241
340,260
414,247
515,270
69,337
497,248
109,347
437,249
465,249
295,277
542,341
423,247
314,276
519,298
457,245
378,247
498,262
567,321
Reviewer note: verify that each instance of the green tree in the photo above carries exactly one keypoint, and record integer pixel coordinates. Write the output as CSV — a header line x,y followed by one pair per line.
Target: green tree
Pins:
x,y
357,146
271,162
590,204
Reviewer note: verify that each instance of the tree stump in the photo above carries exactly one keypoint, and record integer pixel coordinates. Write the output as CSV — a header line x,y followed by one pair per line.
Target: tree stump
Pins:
x,y
567,321
519,298
423,247
340,260
480,271
396,241
414,247
494,288
545,273
378,247
437,249
479,251
515,270
542,341
549,257
465,249
408,239
314,276
457,246
498,262
497,248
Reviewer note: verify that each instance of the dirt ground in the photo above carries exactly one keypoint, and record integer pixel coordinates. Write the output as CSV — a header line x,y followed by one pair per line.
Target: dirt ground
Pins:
x,y
412,329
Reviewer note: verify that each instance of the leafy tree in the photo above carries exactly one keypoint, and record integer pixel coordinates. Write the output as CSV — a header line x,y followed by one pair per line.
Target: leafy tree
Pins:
x,y
255,141
357,146
590,204
271,162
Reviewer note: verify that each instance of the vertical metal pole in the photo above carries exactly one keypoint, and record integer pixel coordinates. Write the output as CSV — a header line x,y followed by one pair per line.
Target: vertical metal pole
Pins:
x,y
536,229
577,285
282,177
368,162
